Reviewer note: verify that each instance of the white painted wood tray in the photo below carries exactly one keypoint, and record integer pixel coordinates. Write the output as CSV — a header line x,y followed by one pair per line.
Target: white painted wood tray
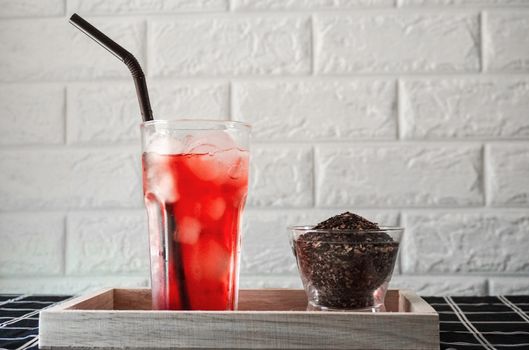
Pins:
x,y
267,319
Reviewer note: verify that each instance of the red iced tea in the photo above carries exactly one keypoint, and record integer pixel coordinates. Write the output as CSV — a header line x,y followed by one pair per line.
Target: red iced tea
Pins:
x,y
194,203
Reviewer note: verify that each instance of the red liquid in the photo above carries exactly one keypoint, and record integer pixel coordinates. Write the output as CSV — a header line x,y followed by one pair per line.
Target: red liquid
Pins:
x,y
194,203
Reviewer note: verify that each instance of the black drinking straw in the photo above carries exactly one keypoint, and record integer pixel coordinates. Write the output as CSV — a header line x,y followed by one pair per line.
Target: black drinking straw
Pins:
x,y
173,248
123,55
170,247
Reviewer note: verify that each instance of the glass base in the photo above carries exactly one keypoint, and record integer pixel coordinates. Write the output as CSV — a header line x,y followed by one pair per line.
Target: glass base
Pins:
x,y
375,308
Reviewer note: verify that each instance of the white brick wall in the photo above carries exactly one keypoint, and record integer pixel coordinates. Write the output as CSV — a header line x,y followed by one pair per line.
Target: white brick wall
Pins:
x,y
229,46
101,113
411,112
106,243
299,110
37,117
465,108
400,43
503,36
408,175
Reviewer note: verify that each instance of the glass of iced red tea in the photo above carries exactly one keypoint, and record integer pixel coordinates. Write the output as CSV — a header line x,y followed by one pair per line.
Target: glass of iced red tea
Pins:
x,y
195,181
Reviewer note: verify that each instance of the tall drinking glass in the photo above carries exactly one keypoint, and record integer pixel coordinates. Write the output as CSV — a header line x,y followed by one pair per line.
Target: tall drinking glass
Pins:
x,y
195,182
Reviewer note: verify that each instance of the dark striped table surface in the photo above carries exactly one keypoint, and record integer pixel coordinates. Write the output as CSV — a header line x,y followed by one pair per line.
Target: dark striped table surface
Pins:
x,y
467,323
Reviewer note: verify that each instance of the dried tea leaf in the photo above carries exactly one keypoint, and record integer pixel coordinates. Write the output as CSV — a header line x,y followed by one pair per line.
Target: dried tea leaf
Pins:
x,y
344,268
347,221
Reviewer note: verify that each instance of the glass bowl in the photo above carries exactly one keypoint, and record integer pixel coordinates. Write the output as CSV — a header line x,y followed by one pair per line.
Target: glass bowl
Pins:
x,y
344,270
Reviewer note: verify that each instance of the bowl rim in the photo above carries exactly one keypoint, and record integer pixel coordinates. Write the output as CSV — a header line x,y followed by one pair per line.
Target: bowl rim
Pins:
x,y
311,229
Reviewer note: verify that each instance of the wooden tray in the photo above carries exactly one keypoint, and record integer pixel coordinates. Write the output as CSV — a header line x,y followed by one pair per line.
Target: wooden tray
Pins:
x,y
267,319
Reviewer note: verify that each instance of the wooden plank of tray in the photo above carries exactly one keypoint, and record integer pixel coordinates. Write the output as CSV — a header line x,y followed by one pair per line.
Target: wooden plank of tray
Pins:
x,y
267,319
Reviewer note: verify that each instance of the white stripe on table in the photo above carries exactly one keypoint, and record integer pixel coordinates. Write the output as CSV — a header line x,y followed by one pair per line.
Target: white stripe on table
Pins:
x,y
15,309
477,304
13,299
468,325
514,307
29,316
462,343
24,328
21,338
29,344
23,317
479,312
491,332
33,302
489,322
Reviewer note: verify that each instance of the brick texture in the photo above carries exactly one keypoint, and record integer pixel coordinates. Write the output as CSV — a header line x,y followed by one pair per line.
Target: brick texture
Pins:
x,y
270,282
498,3
318,110
31,114
28,8
465,108
505,41
281,176
509,174
396,43
98,7
109,243
109,113
32,244
69,179
404,175
69,55
230,47
254,5
465,242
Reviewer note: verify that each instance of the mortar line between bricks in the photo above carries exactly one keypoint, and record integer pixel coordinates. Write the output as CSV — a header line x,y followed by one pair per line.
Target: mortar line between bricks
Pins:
x,y
342,12
384,210
477,274
400,223
134,146
471,76
65,116
147,50
481,41
22,18
123,147
484,176
65,245
314,178
134,274
79,276
478,208
313,56
400,119
395,142
78,211
483,275
66,9
231,103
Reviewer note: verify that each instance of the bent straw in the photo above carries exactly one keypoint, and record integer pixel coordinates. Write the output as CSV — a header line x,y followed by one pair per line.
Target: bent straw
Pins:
x,y
123,55
145,106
